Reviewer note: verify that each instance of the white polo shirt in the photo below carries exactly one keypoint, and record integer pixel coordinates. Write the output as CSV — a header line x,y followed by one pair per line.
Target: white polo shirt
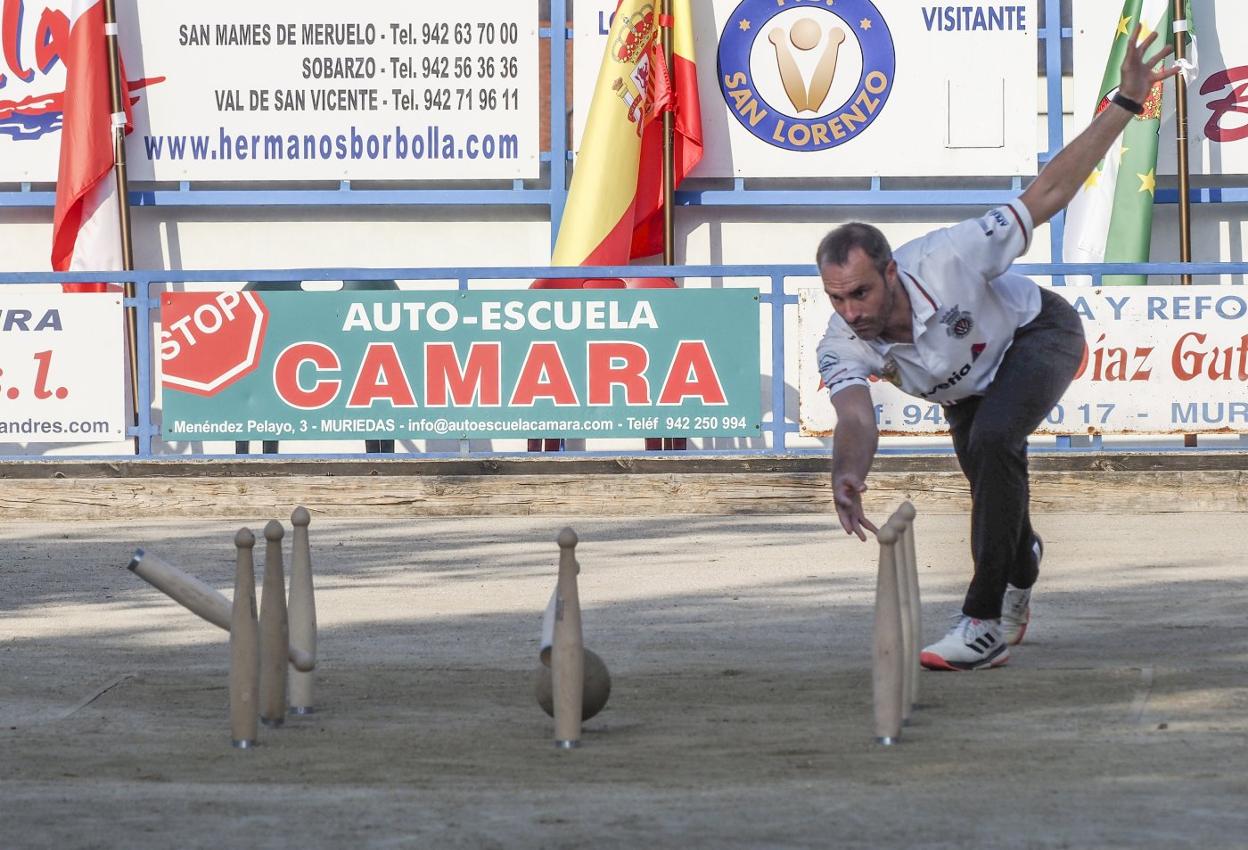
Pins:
x,y
966,308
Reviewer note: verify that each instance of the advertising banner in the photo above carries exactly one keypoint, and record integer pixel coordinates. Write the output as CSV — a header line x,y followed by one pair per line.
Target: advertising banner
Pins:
x,y
61,368
316,90
1217,98
1158,360
460,365
810,88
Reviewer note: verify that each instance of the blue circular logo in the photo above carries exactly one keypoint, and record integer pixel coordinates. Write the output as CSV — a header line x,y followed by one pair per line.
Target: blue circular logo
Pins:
x,y
806,75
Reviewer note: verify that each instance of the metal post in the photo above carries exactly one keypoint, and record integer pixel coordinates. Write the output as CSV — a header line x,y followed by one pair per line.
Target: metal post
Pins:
x,y
118,105
1180,91
1185,203
669,163
558,115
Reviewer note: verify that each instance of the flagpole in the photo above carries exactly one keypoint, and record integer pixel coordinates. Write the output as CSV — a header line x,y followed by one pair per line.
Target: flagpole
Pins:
x,y
117,101
1185,205
1180,90
669,154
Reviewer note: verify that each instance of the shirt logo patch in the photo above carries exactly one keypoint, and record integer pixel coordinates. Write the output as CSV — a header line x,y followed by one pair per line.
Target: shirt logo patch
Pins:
x,y
958,323
891,372
977,349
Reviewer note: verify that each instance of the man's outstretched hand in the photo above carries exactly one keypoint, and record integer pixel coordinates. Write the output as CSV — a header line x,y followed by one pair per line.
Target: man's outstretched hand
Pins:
x,y
847,491
1139,75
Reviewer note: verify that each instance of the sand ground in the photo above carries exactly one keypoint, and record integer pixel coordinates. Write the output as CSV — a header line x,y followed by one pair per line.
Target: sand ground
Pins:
x,y
740,714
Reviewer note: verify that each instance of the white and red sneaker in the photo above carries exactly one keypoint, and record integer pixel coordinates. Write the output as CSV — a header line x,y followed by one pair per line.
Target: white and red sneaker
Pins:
x,y
1016,603
970,645
1015,613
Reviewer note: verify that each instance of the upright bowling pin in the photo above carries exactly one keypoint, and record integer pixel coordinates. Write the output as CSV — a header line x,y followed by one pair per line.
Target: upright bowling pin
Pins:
x,y
567,648
274,630
301,611
898,521
915,610
886,650
244,647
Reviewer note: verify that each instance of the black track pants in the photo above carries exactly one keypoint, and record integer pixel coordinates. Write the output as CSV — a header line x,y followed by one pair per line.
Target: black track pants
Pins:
x,y
990,437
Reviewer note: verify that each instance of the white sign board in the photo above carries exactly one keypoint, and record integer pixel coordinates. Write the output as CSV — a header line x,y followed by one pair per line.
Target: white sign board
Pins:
x,y
315,90
1159,360
1217,101
61,368
851,88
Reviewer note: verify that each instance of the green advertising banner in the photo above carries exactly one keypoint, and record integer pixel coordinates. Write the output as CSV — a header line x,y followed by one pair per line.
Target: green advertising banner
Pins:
x,y
459,365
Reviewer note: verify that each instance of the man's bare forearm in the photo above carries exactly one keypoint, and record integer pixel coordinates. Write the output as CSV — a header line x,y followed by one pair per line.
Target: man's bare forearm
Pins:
x,y
1057,184
854,443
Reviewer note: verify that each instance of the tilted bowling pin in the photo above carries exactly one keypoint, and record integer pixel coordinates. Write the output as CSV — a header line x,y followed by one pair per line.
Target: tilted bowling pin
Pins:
x,y
886,651
197,597
568,648
181,587
274,630
244,647
301,610
915,610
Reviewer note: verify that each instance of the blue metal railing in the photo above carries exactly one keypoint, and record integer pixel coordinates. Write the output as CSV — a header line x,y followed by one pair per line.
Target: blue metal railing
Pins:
x,y
778,424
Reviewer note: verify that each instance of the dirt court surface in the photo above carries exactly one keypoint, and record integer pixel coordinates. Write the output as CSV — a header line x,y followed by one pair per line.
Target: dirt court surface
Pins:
x,y
740,714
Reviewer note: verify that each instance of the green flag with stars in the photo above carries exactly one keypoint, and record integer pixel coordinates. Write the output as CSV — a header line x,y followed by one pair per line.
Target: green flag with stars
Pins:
x,y
1111,218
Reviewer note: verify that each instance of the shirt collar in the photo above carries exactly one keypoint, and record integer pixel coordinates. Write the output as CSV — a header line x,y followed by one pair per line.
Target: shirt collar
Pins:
x,y
922,302
923,305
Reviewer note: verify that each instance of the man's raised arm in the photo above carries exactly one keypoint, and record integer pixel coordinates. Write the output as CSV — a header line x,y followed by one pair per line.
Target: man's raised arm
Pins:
x,y
1057,184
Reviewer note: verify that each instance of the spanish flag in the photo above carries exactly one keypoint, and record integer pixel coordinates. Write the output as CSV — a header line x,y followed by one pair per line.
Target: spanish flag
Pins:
x,y
615,204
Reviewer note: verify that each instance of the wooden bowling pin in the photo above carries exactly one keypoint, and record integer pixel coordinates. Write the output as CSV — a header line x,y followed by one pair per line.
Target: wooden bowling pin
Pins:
x,y
301,611
567,648
914,611
195,596
886,650
181,587
274,630
903,602
244,647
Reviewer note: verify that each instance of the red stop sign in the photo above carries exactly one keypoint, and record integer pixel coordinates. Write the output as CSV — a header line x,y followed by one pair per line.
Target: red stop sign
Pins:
x,y
209,340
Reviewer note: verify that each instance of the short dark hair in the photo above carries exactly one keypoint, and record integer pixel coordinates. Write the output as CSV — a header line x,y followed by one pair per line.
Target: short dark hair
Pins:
x,y
835,247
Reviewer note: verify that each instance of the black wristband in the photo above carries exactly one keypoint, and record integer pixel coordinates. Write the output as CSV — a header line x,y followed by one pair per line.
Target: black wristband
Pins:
x,y
1127,103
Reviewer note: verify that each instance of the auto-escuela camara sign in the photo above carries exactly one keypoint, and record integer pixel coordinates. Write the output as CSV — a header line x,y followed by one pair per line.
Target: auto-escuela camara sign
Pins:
x,y
350,365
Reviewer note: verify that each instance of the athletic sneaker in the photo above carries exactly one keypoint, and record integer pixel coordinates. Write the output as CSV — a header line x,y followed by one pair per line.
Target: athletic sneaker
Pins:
x,y
1016,604
970,645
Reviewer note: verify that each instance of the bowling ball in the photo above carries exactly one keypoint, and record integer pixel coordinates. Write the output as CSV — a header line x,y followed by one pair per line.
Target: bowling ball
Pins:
x,y
597,687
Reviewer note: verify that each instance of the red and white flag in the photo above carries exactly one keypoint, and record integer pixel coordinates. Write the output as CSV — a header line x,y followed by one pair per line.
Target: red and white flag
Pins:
x,y
86,228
